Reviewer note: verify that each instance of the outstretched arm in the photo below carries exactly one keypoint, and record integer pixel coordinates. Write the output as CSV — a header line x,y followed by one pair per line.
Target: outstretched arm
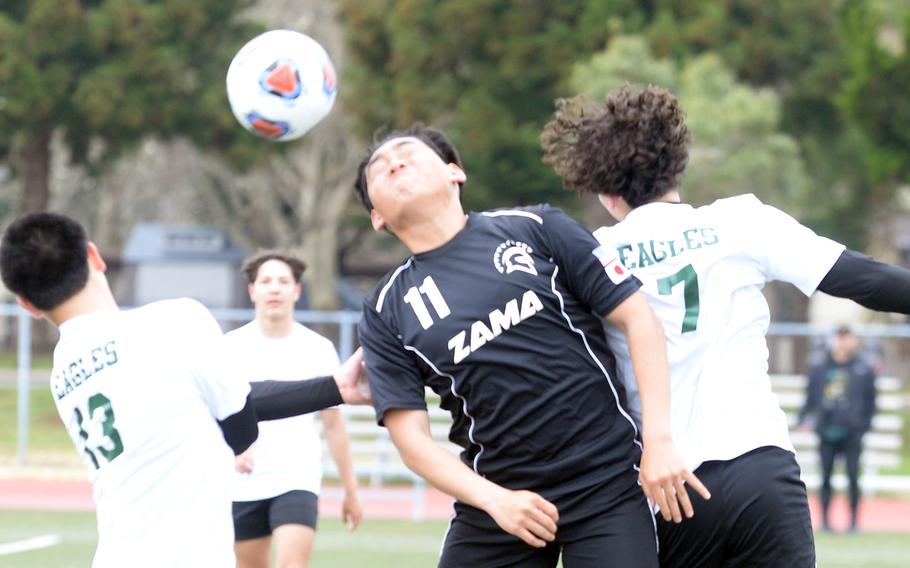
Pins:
x,y
283,399
524,514
868,282
663,471
273,400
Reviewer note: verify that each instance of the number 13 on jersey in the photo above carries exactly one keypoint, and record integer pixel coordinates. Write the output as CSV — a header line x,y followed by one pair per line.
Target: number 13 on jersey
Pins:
x,y
99,415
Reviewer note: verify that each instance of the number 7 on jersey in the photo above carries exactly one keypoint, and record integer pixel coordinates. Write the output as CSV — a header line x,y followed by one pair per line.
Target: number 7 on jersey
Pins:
x,y
689,279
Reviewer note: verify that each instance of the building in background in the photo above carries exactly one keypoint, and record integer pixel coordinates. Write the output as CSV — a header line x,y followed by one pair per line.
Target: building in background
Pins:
x,y
163,261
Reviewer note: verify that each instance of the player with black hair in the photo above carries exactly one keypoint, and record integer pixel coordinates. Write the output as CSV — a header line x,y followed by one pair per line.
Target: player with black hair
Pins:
x,y
143,393
501,314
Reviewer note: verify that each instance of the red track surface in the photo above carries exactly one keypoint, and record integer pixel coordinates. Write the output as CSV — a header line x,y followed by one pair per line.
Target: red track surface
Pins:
x,y
876,514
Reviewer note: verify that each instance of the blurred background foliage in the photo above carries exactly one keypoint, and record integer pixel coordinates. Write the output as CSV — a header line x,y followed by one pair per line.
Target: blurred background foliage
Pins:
x,y
803,103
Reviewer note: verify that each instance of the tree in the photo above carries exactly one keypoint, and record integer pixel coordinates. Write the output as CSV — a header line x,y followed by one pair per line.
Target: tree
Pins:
x,y
737,142
487,71
802,51
107,74
298,195
873,91
871,96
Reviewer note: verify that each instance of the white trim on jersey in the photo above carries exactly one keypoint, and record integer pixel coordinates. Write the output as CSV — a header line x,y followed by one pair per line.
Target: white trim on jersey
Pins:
x,y
515,213
388,284
584,339
464,403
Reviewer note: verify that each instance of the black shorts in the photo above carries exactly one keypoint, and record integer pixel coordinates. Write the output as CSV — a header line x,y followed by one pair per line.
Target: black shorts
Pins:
x,y
256,519
621,535
758,516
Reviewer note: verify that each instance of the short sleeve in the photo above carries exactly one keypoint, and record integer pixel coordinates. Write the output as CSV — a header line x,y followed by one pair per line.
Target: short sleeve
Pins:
x,y
395,380
591,272
788,250
221,386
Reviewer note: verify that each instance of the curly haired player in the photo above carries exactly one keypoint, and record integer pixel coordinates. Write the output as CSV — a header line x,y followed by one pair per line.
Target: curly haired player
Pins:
x,y
702,269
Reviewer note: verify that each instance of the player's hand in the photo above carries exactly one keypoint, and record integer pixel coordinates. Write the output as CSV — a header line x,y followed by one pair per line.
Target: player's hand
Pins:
x,y
526,515
351,512
243,463
352,381
663,478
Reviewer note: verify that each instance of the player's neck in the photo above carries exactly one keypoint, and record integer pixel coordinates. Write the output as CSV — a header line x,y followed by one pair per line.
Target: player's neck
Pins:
x,y
671,196
433,231
95,297
619,209
275,328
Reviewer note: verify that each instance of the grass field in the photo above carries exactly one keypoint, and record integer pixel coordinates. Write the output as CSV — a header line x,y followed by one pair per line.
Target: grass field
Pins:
x,y
379,544
376,544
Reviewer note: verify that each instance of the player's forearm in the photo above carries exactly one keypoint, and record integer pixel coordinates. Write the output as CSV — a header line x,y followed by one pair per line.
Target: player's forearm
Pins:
x,y
868,282
647,348
282,399
410,432
653,375
449,474
336,437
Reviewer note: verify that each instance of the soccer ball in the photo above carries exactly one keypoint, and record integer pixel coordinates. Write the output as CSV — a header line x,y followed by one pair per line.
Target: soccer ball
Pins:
x,y
281,84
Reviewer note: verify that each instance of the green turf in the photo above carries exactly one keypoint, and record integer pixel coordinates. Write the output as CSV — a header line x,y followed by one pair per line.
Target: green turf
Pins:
x,y
376,544
77,539
381,544
844,550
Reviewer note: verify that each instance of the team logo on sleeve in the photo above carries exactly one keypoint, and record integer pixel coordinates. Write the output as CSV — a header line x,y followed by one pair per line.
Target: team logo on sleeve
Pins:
x,y
612,266
513,255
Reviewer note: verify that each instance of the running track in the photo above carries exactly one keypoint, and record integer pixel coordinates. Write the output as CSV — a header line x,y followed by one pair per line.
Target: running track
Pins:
x,y
876,514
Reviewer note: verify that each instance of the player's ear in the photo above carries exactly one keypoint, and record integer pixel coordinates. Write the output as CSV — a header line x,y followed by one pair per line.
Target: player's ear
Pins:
x,y
29,307
94,257
456,174
376,220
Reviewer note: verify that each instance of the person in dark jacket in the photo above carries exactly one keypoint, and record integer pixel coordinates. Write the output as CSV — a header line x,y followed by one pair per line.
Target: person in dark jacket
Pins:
x,y
841,400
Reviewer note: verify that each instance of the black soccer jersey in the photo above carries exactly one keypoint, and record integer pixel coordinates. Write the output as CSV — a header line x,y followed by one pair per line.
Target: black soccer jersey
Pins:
x,y
504,323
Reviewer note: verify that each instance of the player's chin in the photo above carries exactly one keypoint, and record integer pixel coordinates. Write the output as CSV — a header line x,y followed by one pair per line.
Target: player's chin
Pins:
x,y
278,310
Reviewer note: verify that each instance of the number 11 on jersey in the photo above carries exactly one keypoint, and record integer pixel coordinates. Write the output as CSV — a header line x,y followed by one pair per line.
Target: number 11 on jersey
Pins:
x,y
414,298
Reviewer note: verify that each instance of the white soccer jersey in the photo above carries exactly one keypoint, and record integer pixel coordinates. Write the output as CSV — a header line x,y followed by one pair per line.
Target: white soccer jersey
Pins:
x,y
140,392
702,271
287,455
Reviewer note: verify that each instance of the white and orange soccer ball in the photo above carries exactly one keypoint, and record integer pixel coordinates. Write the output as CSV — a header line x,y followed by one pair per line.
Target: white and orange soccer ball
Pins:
x,y
281,84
